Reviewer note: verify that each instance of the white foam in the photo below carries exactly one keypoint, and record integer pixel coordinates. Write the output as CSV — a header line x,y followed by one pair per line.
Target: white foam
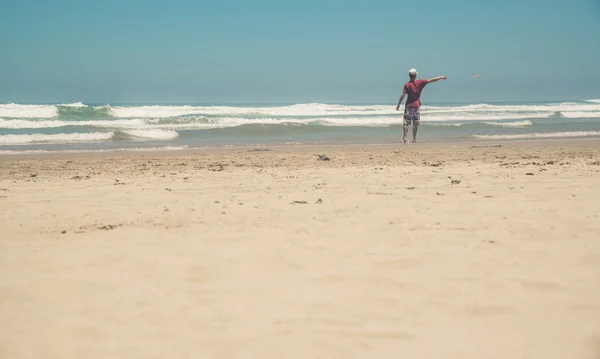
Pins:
x,y
368,115
54,138
226,122
17,124
517,124
13,110
199,123
133,123
474,117
153,134
152,111
74,105
486,112
442,124
125,149
580,114
539,135
485,108
294,110
480,112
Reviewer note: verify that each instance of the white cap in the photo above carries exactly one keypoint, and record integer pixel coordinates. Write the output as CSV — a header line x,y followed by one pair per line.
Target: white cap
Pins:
x,y
413,72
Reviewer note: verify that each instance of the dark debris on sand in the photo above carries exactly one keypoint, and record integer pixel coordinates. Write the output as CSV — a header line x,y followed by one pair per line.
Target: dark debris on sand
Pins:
x,y
485,146
108,227
433,164
216,168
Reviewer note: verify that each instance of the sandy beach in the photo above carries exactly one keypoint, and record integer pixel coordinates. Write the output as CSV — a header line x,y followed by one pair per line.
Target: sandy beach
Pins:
x,y
451,250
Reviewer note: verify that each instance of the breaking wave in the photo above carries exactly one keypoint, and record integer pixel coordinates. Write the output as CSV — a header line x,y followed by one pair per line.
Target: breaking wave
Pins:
x,y
151,134
517,124
54,138
476,112
539,135
121,126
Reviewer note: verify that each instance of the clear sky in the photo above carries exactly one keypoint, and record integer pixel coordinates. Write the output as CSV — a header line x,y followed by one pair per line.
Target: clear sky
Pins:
x,y
242,51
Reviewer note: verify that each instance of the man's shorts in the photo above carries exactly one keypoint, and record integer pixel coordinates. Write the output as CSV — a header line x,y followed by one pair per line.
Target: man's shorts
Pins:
x,y
412,115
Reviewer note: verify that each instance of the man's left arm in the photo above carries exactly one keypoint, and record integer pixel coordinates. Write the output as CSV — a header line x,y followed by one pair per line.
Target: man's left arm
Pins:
x,y
401,98
400,101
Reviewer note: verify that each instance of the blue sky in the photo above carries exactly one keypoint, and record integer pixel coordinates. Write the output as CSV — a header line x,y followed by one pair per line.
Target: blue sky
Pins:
x,y
184,51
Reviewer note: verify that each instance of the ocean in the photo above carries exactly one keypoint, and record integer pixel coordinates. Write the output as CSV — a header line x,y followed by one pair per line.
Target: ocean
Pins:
x,y
101,127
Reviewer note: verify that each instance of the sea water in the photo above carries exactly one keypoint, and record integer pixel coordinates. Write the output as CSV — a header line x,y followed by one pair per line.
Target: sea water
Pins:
x,y
79,126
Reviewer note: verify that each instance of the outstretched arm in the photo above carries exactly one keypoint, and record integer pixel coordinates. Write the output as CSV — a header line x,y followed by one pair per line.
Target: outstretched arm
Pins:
x,y
436,79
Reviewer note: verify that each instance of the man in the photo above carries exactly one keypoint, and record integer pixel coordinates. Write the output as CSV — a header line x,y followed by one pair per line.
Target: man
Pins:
x,y
413,103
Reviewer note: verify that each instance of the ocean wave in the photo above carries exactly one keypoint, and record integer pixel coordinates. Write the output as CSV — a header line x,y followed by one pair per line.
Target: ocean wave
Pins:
x,y
580,114
313,109
198,123
13,110
83,112
486,108
227,122
73,110
205,123
152,134
55,138
510,124
442,124
73,105
18,124
125,149
433,113
372,115
475,117
539,135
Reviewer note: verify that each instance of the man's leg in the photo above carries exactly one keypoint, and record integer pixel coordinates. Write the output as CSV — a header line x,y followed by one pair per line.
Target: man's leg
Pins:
x,y
415,129
416,122
406,123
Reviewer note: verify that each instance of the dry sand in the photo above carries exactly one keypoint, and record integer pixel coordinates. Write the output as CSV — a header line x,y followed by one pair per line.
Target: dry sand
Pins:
x,y
419,251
